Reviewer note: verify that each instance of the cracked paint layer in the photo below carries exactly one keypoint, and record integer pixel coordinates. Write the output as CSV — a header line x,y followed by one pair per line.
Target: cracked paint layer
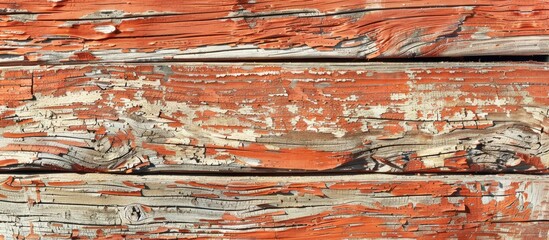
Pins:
x,y
136,30
100,206
239,117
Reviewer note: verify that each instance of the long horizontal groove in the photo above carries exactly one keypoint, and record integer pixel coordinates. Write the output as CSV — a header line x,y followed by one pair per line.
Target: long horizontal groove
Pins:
x,y
106,206
271,118
445,63
374,177
68,31
422,60
271,173
249,15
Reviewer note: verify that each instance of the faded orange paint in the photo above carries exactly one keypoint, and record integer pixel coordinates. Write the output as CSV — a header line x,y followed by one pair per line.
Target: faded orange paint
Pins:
x,y
296,158
8,162
36,148
437,27
433,207
272,116
135,185
66,183
462,219
92,115
23,135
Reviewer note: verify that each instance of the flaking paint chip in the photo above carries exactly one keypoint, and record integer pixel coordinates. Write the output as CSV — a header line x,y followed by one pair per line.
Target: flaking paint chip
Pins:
x,y
106,29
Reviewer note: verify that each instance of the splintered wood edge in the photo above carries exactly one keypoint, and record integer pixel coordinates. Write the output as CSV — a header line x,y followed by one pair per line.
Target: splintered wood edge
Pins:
x,y
106,206
275,117
58,32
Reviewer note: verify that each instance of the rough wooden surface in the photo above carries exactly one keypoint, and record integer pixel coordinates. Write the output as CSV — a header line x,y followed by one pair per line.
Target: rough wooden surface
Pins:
x,y
59,206
379,117
94,86
144,30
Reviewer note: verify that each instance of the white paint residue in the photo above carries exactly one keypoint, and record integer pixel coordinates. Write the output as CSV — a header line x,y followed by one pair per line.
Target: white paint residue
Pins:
x,y
106,29
398,96
292,108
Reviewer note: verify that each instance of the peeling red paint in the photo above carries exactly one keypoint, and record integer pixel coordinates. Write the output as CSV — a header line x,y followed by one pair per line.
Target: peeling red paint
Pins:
x,y
274,116
23,135
284,158
66,183
8,162
381,206
395,29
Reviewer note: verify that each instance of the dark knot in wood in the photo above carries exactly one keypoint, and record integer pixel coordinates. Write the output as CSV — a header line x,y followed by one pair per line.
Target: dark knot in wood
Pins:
x,y
134,213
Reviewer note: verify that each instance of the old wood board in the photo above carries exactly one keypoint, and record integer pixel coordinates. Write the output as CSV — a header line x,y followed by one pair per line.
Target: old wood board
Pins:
x,y
37,32
244,117
147,119
96,206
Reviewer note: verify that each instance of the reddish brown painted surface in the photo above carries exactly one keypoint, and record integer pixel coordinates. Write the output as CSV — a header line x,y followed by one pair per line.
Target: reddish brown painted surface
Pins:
x,y
386,117
113,30
368,206
102,112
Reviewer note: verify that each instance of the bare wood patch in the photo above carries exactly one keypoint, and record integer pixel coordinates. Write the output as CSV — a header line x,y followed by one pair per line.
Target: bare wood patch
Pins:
x,y
369,206
435,117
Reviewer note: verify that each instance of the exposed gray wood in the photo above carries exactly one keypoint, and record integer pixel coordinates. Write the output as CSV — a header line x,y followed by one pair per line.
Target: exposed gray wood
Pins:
x,y
378,117
84,103
55,206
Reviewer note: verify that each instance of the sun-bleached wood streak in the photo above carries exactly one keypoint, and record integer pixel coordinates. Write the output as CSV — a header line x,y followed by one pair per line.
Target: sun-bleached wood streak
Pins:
x,y
109,206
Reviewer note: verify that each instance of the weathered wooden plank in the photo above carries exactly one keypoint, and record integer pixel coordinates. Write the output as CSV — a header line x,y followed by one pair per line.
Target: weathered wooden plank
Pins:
x,y
145,30
386,117
55,206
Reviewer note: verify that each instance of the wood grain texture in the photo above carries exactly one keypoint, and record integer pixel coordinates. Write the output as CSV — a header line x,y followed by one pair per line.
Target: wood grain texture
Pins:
x,y
95,206
59,31
387,117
